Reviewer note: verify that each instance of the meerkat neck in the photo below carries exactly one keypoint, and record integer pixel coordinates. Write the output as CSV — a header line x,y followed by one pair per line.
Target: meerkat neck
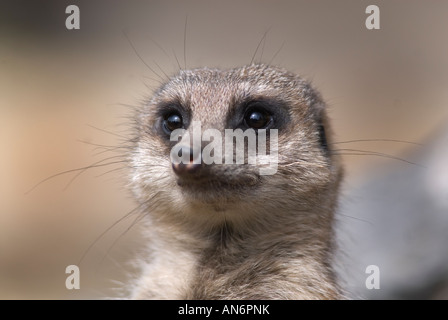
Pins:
x,y
210,262
287,225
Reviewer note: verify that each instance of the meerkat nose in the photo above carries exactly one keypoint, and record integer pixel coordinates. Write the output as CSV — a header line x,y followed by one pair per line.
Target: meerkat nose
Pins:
x,y
193,164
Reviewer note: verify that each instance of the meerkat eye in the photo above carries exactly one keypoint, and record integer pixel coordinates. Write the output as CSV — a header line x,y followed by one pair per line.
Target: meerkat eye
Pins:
x,y
257,118
172,121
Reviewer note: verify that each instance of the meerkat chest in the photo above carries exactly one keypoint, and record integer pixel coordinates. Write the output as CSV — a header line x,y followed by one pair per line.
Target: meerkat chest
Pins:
x,y
167,276
184,274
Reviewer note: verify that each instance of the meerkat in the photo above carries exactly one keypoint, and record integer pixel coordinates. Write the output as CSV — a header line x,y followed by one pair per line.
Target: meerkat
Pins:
x,y
224,231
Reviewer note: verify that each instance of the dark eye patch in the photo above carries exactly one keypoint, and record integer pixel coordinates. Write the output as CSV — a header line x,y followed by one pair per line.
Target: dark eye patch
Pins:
x,y
258,113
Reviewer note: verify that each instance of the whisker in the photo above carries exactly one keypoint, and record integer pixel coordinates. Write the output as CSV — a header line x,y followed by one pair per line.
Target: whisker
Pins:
x,y
258,46
106,148
70,171
141,59
152,79
158,46
113,149
378,140
355,218
147,85
109,171
308,163
96,144
158,66
177,60
276,53
355,152
89,167
106,131
185,42
133,223
262,49
110,228
134,108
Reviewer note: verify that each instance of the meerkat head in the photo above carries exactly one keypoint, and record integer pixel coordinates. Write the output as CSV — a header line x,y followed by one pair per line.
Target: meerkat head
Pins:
x,y
192,118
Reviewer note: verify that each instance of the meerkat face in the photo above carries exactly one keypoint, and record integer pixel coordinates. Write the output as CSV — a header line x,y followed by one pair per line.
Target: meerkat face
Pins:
x,y
190,117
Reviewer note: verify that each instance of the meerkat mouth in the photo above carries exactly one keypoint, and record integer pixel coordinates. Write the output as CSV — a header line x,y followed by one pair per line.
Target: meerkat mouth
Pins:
x,y
216,192
217,183
213,184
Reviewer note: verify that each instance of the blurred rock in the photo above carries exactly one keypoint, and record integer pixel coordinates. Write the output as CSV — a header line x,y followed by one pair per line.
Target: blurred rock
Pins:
x,y
396,217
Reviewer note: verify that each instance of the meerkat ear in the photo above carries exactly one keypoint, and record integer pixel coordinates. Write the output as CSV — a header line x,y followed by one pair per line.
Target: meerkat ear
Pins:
x,y
321,124
322,137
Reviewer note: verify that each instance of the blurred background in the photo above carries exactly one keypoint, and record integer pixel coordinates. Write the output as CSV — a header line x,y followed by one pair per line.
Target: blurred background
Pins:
x,y
66,93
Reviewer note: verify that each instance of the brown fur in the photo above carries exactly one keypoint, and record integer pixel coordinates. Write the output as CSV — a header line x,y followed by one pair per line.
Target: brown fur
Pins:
x,y
243,236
